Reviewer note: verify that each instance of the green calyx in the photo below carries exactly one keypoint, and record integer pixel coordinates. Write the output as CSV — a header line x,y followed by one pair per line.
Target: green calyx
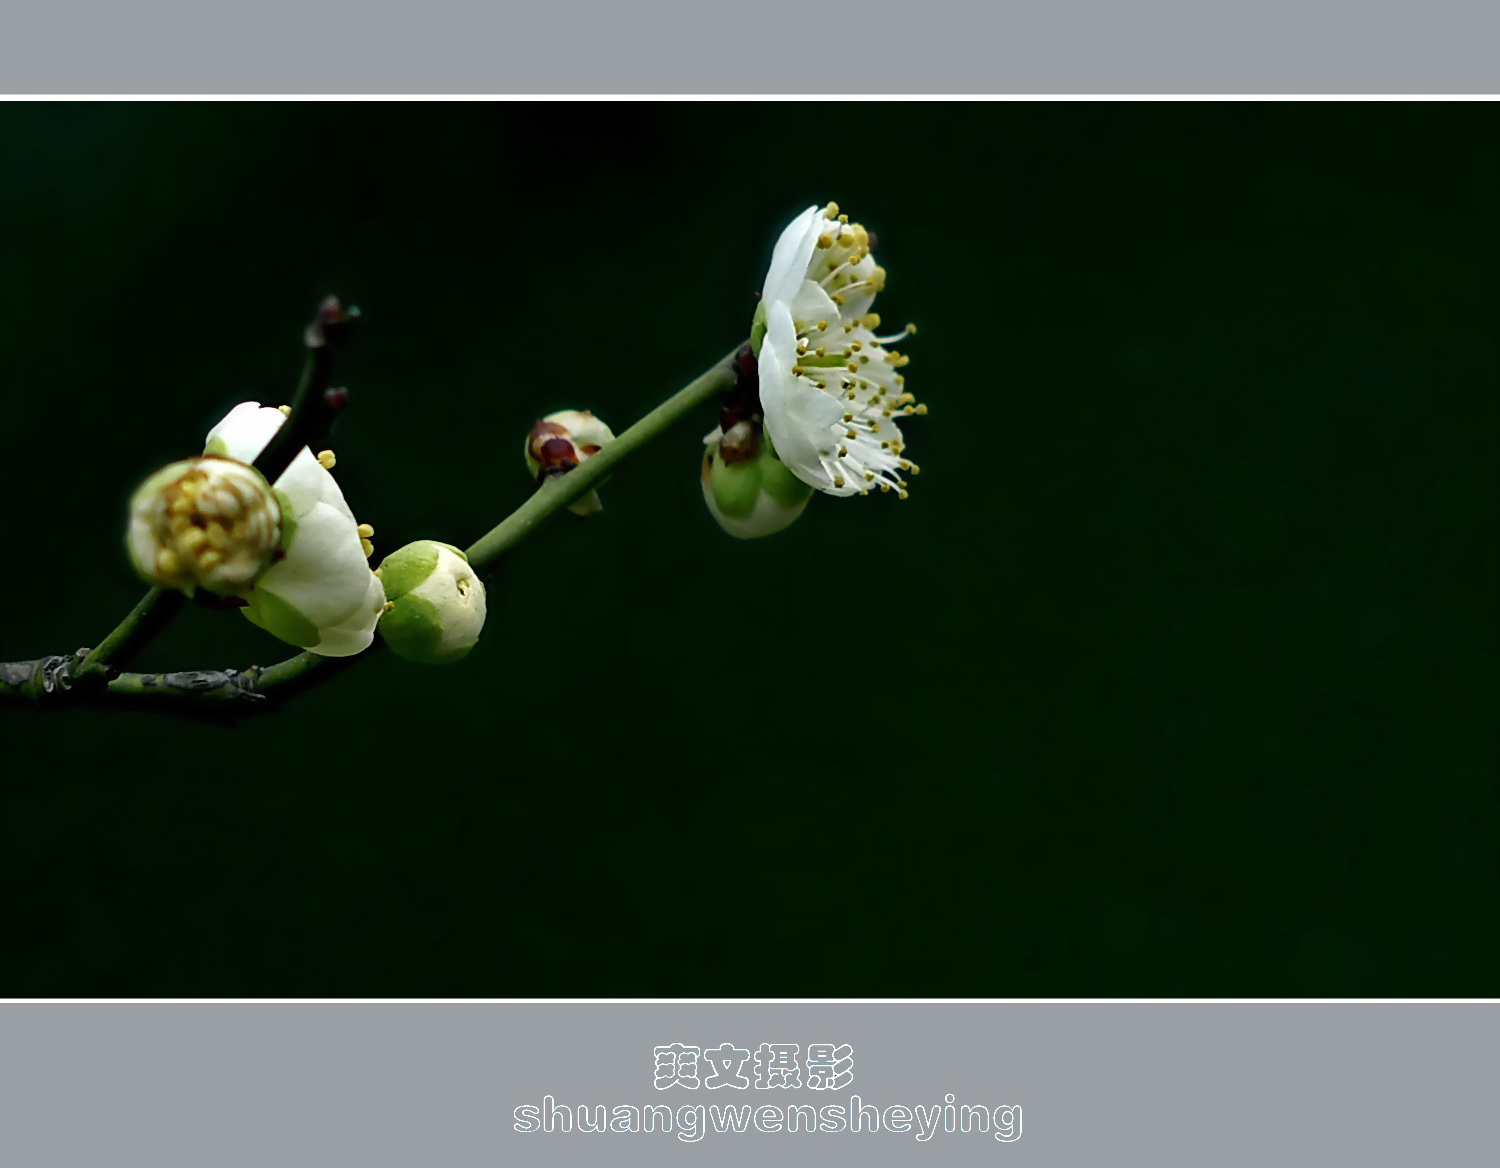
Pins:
x,y
736,487
413,629
404,570
758,328
288,517
279,618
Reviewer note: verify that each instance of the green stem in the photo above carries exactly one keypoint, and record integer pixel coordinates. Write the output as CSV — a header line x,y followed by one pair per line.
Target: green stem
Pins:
x,y
556,493
144,621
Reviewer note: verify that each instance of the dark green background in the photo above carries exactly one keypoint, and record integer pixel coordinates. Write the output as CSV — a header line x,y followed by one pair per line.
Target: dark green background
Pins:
x,y
1176,675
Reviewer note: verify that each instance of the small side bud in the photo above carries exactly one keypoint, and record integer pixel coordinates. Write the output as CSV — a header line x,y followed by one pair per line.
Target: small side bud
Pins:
x,y
747,489
435,605
562,442
211,523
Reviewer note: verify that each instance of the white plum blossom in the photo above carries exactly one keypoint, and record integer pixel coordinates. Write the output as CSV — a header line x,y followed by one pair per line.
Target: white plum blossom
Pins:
x,y
830,390
292,550
320,593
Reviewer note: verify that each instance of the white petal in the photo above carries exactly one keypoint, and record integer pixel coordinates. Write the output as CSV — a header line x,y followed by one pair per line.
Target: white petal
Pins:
x,y
790,257
798,416
323,574
245,431
812,304
354,634
306,483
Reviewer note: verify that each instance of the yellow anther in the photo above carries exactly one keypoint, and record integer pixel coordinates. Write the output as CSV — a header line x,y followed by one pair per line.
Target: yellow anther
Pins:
x,y
833,265
209,560
797,369
167,563
822,352
874,427
905,465
216,536
822,325
831,211
853,368
181,505
388,605
838,481
851,434
327,460
366,531
872,320
852,395
825,240
915,470
856,345
885,488
822,385
887,413
885,446
193,539
802,350
842,218
836,298
286,411
863,493
369,548
921,409
869,476
901,494
911,330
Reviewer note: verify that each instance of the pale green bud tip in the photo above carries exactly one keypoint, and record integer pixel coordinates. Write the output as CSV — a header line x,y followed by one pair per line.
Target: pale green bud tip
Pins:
x,y
564,441
208,522
435,603
747,489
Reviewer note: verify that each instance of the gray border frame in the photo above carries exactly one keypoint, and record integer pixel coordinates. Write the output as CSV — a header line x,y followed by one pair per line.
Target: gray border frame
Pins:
x,y
759,47
386,1085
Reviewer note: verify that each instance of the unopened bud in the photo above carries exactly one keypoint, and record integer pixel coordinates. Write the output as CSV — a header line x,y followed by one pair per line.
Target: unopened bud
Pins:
x,y
434,603
209,522
748,490
562,442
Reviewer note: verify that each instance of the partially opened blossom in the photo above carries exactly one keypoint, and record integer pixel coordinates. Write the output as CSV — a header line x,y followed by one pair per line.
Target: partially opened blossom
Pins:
x,y
211,523
564,441
291,550
830,389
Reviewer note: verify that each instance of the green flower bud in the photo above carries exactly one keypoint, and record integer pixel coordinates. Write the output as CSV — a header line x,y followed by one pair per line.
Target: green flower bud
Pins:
x,y
434,603
562,442
748,491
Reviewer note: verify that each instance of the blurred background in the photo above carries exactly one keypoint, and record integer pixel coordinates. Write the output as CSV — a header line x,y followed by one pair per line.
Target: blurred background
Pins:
x,y
1176,674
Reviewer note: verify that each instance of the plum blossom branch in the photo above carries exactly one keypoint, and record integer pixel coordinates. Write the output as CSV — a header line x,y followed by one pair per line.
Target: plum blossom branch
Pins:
x,y
246,690
314,407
